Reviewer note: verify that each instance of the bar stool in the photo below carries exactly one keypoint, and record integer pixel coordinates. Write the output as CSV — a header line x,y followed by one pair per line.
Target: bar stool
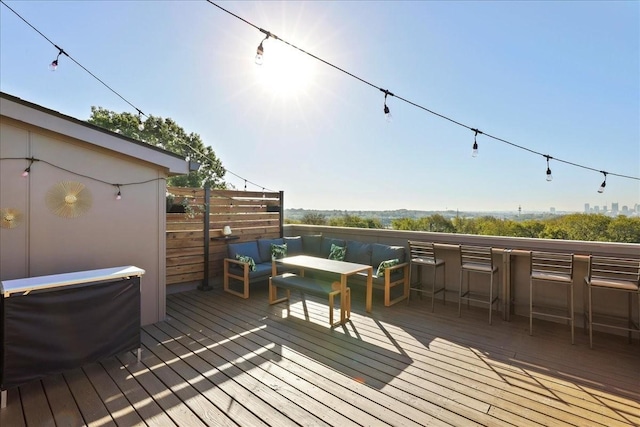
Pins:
x,y
613,274
477,259
423,255
554,269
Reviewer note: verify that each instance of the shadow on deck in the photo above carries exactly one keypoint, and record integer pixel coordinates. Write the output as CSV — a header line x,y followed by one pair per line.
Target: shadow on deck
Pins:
x,y
221,360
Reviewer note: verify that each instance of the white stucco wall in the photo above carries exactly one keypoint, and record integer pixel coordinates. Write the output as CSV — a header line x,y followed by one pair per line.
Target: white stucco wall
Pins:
x,y
130,231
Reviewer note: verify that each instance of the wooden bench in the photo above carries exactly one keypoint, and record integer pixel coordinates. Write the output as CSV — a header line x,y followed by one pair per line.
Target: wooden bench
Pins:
x,y
305,285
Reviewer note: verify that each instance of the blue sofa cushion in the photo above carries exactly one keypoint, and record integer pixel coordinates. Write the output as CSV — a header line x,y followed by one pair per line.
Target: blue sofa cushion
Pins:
x,y
264,247
246,249
325,247
263,269
380,252
358,252
294,245
311,244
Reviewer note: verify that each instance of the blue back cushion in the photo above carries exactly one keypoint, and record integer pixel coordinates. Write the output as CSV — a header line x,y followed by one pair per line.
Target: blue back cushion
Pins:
x,y
244,248
264,247
325,247
294,245
358,252
380,252
311,244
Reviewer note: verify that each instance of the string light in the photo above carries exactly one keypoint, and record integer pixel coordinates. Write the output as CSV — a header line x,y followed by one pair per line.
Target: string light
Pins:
x,y
260,50
474,151
140,120
25,173
387,112
54,64
245,185
118,194
604,183
549,176
386,108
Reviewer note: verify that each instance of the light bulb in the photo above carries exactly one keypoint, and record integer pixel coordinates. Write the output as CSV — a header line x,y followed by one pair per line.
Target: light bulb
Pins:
x,y
54,65
601,189
387,114
119,196
25,173
259,54
474,152
141,125
549,176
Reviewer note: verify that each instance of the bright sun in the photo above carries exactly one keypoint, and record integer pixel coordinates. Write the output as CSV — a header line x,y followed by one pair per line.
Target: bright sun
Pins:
x,y
285,71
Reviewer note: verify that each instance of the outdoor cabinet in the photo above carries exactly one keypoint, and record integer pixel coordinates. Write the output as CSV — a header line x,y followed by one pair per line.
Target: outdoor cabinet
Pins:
x,y
54,323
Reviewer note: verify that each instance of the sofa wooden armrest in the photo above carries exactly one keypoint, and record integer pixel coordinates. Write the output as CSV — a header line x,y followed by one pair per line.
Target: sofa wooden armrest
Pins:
x,y
244,278
389,283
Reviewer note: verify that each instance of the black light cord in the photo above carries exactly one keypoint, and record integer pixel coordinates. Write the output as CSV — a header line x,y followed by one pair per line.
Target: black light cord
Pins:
x,y
414,103
62,51
139,111
118,185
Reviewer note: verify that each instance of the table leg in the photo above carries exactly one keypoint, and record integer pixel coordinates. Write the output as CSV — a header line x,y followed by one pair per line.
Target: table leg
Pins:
x,y
343,293
369,297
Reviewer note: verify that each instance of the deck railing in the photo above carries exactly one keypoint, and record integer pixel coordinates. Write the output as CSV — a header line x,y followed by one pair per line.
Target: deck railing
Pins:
x,y
512,256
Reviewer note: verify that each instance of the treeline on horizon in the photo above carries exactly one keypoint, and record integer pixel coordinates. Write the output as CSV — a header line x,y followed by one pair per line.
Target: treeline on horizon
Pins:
x,y
588,227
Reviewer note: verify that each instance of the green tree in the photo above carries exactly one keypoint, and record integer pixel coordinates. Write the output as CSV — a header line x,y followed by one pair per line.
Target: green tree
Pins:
x,y
404,224
465,225
313,218
166,133
585,227
440,224
355,222
624,229
553,231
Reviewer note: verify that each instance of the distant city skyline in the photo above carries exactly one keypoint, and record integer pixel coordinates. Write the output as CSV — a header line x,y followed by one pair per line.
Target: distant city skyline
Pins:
x,y
559,78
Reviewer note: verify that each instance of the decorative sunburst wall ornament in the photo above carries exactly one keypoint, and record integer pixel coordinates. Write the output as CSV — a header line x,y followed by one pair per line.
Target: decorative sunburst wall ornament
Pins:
x,y
10,217
68,199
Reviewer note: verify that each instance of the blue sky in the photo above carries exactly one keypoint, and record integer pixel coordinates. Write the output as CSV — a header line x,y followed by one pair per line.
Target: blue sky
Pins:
x,y
560,78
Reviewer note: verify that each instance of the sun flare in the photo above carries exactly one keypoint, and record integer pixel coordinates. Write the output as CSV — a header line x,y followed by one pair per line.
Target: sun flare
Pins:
x,y
285,71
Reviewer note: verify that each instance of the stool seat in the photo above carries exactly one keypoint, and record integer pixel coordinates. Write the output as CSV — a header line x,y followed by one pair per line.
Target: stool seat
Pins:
x,y
556,277
474,266
612,283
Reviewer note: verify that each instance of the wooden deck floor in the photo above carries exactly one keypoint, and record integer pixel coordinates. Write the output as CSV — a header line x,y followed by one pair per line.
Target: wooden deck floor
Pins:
x,y
223,361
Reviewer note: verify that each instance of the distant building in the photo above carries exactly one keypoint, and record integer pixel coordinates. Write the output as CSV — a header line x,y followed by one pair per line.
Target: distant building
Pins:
x,y
604,209
614,208
552,210
586,208
596,209
625,210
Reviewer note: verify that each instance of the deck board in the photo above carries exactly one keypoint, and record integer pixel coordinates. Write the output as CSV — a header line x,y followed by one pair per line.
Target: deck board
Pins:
x,y
220,360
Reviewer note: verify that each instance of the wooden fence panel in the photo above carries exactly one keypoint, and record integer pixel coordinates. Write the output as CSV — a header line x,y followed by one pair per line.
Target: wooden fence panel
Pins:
x,y
250,214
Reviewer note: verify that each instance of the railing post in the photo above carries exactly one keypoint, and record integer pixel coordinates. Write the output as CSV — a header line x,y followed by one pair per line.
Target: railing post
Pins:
x,y
205,281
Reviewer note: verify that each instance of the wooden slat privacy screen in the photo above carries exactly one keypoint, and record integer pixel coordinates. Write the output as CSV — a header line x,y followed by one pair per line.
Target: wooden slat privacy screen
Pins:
x,y
250,214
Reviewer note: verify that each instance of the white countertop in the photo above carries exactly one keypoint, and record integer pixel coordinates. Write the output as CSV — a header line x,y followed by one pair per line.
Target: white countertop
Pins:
x,y
26,285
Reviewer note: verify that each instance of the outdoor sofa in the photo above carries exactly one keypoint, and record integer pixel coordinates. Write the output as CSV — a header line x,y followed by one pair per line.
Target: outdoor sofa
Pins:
x,y
394,271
